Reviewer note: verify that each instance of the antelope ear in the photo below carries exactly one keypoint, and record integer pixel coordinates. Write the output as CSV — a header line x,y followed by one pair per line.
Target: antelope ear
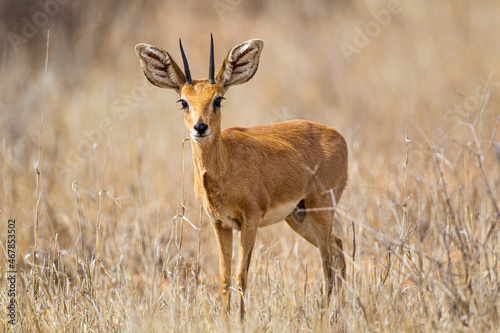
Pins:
x,y
240,64
159,67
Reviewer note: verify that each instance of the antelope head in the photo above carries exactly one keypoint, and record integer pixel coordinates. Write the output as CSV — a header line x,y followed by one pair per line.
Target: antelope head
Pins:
x,y
201,99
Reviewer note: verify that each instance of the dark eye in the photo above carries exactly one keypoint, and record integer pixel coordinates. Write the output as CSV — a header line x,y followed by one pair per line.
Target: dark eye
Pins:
x,y
185,105
217,102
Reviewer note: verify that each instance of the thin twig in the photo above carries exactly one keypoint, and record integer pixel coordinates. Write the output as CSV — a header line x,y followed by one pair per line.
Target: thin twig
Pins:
x,y
183,218
405,203
2,68
98,221
38,162
198,252
405,230
74,186
353,241
156,250
112,198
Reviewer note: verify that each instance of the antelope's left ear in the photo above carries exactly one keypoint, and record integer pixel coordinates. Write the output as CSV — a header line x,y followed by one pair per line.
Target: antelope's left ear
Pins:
x,y
240,64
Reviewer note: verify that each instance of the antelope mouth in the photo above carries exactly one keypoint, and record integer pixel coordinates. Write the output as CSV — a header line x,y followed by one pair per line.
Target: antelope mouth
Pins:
x,y
201,139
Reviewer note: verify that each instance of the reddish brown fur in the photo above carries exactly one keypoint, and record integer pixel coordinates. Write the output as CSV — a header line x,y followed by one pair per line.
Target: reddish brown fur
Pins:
x,y
246,178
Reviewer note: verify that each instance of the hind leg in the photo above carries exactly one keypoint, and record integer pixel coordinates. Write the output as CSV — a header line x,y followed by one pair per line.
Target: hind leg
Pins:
x,y
316,228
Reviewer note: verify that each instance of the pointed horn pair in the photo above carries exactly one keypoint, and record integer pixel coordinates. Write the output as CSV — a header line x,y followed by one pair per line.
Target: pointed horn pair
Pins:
x,y
211,68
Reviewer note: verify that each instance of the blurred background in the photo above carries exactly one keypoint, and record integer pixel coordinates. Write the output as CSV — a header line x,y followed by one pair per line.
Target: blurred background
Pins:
x,y
375,70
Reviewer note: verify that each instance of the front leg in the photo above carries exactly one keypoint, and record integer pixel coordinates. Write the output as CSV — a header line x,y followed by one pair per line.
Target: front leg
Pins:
x,y
247,241
225,243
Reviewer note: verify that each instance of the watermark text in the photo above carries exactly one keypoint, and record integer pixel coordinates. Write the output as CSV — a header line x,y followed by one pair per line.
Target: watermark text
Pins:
x,y
11,271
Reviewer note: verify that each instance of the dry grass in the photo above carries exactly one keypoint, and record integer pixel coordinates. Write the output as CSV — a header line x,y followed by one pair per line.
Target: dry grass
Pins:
x,y
426,255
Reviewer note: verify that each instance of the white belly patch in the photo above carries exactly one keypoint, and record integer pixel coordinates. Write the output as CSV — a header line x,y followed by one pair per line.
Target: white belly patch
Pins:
x,y
278,213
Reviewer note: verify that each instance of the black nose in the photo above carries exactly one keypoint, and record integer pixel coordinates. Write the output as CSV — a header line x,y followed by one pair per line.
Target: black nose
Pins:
x,y
200,128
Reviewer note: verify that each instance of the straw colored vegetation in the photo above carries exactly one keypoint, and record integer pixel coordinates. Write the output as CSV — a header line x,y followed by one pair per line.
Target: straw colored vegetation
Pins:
x,y
101,242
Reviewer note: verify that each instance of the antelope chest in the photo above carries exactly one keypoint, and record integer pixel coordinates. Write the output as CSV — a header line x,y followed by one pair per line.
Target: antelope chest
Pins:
x,y
230,217
226,213
216,202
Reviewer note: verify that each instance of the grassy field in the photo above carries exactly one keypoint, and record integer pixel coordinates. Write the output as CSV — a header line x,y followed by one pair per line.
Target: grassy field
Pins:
x,y
94,170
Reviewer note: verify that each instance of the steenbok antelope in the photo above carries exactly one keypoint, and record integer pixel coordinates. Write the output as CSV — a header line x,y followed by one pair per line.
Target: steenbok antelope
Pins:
x,y
249,178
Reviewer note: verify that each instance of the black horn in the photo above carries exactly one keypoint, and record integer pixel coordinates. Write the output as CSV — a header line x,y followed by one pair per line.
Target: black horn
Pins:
x,y
186,65
211,66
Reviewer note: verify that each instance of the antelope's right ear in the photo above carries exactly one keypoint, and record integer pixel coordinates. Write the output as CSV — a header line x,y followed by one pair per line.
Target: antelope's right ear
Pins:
x,y
159,67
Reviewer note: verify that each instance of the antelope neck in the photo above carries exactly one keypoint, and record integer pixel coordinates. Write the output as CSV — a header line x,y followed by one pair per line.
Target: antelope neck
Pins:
x,y
210,157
